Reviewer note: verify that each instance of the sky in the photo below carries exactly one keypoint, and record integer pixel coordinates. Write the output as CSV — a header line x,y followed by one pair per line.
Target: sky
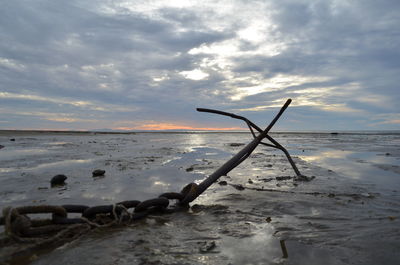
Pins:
x,y
147,65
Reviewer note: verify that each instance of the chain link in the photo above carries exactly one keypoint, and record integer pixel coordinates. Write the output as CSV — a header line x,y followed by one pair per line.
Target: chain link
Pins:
x,y
20,226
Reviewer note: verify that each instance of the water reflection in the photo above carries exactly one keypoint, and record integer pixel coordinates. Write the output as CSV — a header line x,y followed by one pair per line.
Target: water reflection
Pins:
x,y
326,155
10,153
64,163
54,165
143,185
361,166
197,139
58,143
241,250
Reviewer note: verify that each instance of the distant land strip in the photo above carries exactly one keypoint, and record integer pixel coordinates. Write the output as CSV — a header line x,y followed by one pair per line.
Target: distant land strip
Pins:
x,y
94,132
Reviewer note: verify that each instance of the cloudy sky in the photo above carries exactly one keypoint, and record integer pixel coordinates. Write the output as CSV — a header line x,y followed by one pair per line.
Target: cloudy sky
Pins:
x,y
83,64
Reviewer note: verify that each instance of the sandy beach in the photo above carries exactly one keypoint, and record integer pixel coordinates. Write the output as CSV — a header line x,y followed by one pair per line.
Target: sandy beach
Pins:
x,y
348,214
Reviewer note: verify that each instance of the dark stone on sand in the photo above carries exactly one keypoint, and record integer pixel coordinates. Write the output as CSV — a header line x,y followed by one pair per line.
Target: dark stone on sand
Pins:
x,y
304,178
250,181
197,208
12,139
1,146
190,169
334,133
58,180
387,154
236,144
238,186
98,172
207,247
223,183
266,179
283,178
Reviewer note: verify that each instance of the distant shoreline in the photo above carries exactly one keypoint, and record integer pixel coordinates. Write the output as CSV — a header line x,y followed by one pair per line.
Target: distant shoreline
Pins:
x,y
41,132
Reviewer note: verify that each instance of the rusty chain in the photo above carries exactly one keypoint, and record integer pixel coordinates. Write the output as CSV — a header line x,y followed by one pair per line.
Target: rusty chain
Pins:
x,y
19,226
37,234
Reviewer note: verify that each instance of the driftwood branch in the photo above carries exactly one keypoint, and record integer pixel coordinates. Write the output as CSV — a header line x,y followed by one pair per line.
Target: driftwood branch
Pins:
x,y
248,149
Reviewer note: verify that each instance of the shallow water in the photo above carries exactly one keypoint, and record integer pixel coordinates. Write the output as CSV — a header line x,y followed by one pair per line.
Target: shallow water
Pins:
x,y
349,214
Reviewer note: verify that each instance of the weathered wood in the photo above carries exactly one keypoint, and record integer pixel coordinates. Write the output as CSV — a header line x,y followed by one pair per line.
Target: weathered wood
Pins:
x,y
246,151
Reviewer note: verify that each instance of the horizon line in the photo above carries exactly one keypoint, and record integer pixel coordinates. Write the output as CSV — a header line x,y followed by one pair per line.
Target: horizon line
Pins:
x,y
111,131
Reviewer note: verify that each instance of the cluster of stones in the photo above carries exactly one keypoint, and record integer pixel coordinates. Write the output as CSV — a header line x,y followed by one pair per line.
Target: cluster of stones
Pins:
x,y
59,180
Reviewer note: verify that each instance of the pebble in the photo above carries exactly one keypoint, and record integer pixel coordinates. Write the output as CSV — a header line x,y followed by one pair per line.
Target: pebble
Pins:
x,y
207,246
98,172
283,178
1,146
223,183
58,180
238,186
235,144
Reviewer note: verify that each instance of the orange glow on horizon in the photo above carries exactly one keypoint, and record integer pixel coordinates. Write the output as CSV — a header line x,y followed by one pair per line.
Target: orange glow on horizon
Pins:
x,y
171,126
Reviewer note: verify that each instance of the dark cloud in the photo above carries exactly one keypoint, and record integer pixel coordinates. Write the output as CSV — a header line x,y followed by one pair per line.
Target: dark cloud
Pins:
x,y
79,64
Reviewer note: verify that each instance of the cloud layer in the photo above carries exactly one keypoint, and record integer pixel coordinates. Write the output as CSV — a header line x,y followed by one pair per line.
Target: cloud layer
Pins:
x,y
135,64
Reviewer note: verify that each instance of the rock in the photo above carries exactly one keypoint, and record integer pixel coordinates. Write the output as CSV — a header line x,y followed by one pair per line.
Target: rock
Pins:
x,y
223,183
98,172
250,181
197,208
207,246
190,169
266,179
235,144
238,186
283,178
12,139
58,180
304,178
1,146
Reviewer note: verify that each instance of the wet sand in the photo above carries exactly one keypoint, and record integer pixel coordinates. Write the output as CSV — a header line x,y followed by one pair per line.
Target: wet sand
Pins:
x,y
349,214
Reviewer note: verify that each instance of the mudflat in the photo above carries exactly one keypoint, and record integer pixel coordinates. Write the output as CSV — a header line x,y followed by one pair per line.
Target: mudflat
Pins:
x,y
348,214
